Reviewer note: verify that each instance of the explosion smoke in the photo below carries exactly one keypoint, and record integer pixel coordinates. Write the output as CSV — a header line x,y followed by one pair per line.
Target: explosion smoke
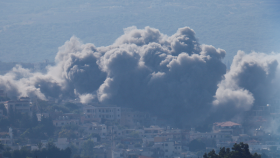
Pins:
x,y
173,77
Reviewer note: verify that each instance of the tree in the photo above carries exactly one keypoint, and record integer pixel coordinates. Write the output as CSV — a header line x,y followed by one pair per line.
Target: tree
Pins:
x,y
95,135
67,134
43,130
134,134
48,126
87,149
240,150
75,150
51,151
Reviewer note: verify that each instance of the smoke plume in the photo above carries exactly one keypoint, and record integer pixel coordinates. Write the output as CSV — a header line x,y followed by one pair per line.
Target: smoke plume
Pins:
x,y
173,77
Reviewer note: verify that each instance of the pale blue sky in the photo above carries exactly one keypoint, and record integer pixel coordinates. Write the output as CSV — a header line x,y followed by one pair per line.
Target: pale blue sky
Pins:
x,y
31,30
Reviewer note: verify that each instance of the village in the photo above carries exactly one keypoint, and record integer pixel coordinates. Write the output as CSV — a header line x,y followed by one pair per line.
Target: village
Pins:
x,y
108,131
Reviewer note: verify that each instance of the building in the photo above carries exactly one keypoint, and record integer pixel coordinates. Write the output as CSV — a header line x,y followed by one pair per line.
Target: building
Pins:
x,y
259,132
65,120
171,148
23,105
218,137
117,153
152,131
8,140
103,112
94,128
228,127
88,118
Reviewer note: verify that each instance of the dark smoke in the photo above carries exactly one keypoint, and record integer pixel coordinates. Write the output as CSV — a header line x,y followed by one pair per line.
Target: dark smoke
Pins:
x,y
173,77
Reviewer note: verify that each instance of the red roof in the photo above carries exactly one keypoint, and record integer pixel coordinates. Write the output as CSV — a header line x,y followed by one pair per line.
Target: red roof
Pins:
x,y
226,124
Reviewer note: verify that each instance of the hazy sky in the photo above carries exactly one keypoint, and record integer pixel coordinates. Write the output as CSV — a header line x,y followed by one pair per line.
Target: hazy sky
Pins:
x,y
31,30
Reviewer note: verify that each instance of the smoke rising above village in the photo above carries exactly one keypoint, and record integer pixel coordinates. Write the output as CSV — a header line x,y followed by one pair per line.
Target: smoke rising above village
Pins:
x,y
173,76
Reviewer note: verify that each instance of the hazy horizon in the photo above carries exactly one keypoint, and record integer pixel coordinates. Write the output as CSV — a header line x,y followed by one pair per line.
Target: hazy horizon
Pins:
x,y
32,31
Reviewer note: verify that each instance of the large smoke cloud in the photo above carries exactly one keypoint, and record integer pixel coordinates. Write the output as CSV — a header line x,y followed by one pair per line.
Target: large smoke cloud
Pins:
x,y
173,77
249,83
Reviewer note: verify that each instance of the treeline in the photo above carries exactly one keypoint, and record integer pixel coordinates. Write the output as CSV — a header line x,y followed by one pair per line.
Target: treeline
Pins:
x,y
51,151
240,150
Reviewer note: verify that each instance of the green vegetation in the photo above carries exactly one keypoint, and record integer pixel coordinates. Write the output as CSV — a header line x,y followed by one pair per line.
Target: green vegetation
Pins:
x,y
134,134
121,146
68,131
43,130
65,133
87,149
94,135
18,120
240,150
50,151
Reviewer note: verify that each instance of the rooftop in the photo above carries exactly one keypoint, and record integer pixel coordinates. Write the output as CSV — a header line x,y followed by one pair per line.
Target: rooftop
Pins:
x,y
226,124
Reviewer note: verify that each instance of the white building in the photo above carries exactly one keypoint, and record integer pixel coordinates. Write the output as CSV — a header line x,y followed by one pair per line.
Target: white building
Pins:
x,y
152,131
95,128
171,148
65,120
23,105
103,112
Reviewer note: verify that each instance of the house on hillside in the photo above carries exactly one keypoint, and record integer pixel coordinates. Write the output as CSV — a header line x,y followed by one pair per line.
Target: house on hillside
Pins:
x,y
23,105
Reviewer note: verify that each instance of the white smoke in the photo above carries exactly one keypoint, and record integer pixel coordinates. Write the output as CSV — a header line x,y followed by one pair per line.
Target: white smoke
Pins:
x,y
86,98
251,75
